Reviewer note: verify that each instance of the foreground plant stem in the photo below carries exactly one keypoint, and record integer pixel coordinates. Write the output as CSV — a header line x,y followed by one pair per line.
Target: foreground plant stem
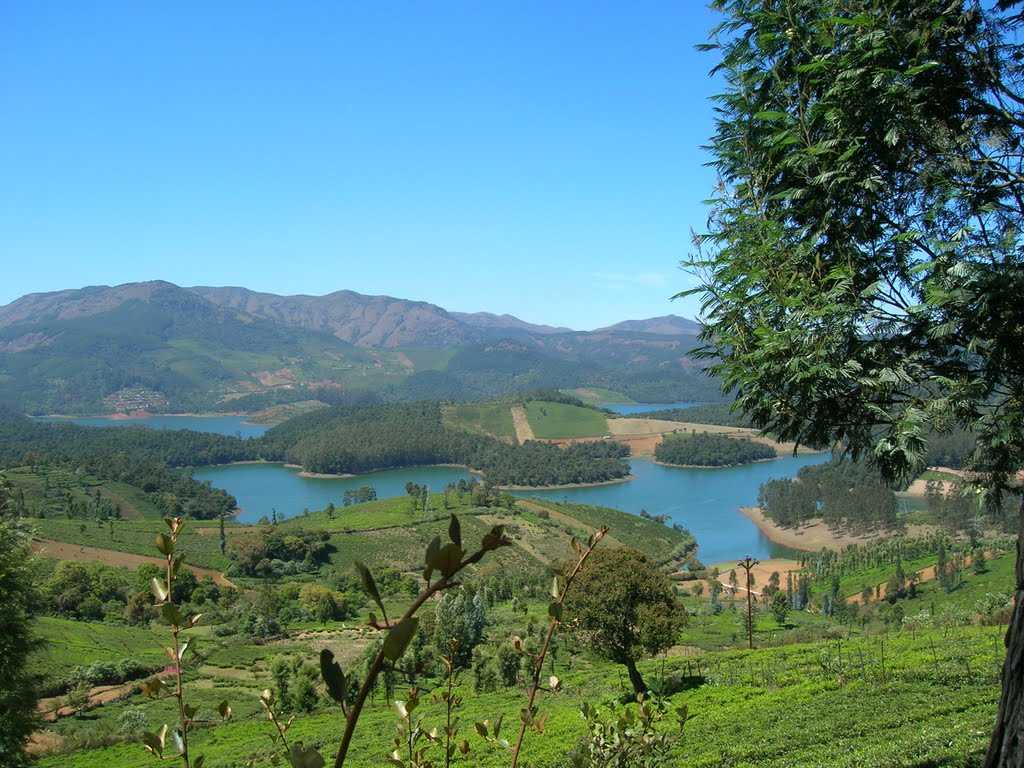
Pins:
x,y
553,624
445,582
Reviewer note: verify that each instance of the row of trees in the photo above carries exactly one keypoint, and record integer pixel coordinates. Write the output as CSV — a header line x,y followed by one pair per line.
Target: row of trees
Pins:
x,y
845,494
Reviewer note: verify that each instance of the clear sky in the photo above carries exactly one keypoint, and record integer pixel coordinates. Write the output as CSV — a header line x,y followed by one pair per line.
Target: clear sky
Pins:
x,y
538,158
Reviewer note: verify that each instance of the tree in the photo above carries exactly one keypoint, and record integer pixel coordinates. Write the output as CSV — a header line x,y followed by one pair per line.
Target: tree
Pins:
x,y
460,617
780,607
624,607
862,269
17,684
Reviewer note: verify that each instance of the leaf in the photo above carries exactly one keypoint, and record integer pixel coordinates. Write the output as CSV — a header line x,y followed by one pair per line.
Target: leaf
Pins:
x,y
400,709
198,762
333,675
554,587
495,538
770,115
448,559
152,686
171,614
432,549
554,683
300,757
190,711
152,743
179,742
164,544
370,585
455,531
224,710
159,592
481,728
555,611
399,637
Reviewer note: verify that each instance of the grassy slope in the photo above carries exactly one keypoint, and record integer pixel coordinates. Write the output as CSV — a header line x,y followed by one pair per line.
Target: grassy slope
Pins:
x,y
841,707
67,644
554,420
485,418
598,395
136,536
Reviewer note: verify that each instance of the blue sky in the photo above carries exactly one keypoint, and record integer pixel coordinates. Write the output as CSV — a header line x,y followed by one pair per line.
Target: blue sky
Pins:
x,y
536,158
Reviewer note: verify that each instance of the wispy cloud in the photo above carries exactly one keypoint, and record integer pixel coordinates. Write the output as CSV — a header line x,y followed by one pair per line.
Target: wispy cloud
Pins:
x,y
646,279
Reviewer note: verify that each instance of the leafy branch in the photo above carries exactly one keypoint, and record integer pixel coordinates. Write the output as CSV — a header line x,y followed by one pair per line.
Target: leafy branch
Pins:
x,y
529,716
448,560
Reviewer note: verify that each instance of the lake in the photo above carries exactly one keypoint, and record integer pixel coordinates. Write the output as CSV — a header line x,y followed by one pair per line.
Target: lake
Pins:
x,y
631,409
706,501
236,426
261,488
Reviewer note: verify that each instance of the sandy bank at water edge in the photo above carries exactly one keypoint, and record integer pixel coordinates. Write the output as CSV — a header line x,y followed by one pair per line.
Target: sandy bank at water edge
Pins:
x,y
817,535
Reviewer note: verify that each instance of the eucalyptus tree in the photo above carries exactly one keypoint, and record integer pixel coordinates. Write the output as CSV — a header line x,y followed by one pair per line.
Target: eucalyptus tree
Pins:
x,y
862,270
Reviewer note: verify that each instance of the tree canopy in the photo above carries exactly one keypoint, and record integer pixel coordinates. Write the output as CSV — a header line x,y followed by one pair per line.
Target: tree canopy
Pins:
x,y
862,268
623,607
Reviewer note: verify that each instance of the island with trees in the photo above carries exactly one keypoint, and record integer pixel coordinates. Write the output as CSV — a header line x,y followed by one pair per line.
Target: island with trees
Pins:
x,y
704,449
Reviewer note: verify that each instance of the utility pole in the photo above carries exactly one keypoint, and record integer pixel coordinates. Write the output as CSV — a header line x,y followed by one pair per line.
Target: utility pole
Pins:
x,y
747,563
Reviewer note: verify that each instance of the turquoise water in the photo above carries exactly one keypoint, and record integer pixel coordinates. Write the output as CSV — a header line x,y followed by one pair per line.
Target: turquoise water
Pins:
x,y
629,409
706,501
221,425
261,488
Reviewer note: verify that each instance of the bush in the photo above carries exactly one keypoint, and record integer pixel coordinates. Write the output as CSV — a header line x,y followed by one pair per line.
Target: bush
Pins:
x,y
132,721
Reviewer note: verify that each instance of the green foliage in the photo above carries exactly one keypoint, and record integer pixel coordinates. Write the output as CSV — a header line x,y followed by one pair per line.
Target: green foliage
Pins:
x,y
862,269
623,607
17,683
352,440
845,494
273,552
627,737
710,450
459,621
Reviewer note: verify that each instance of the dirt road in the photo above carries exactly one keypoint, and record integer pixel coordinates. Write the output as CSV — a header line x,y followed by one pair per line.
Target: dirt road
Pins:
x,y
524,431
61,550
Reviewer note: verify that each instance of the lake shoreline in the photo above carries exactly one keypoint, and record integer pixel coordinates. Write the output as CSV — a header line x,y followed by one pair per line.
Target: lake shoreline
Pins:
x,y
817,536
143,416
297,468
717,466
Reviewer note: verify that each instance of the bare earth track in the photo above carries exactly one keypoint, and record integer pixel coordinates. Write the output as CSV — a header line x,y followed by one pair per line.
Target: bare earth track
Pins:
x,y
524,431
61,550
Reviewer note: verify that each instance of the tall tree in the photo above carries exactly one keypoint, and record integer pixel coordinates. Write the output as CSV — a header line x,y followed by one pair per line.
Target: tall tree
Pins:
x,y
17,686
862,271
623,607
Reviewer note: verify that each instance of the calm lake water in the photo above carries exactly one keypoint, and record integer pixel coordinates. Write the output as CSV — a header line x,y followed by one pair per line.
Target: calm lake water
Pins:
x,y
261,488
706,501
630,409
222,425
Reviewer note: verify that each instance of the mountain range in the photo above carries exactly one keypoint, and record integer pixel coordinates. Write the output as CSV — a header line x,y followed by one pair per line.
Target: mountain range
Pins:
x,y
171,347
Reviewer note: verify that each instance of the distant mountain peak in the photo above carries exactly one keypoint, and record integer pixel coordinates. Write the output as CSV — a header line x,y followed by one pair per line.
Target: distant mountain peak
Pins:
x,y
666,325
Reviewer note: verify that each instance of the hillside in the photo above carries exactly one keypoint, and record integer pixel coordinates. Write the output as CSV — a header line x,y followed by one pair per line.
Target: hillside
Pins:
x,y
666,325
159,347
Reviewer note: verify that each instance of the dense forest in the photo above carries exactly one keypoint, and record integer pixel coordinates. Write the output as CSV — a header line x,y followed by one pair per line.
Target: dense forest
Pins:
x,y
709,450
353,440
343,439
845,494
